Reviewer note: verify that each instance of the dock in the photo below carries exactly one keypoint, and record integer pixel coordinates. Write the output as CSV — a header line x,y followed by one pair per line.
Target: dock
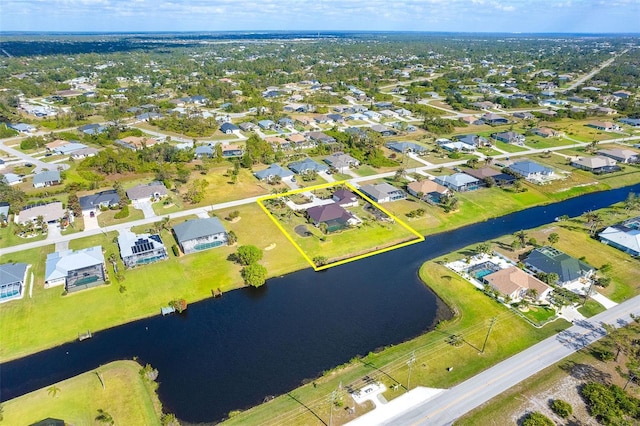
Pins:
x,y
84,336
166,310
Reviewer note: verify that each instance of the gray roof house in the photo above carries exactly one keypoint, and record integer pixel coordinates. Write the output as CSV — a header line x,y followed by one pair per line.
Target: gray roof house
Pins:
x,y
141,192
11,178
266,124
530,170
307,165
509,137
12,279
76,270
472,140
47,178
108,199
340,161
92,129
597,165
624,236
51,212
621,155
404,147
550,260
273,170
460,182
383,192
203,151
140,249
4,211
200,234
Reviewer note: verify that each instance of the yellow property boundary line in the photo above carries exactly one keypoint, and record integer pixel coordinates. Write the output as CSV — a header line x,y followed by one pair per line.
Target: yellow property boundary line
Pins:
x,y
419,237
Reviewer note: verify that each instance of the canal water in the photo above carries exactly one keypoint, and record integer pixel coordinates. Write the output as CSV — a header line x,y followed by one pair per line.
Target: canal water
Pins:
x,y
229,353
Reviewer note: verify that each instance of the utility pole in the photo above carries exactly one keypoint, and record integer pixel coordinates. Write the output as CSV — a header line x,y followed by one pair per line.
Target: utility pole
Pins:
x,y
493,321
410,363
332,399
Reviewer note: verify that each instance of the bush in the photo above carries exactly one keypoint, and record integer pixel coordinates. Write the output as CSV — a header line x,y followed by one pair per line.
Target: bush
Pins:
x,y
254,274
561,408
537,419
124,212
175,250
248,254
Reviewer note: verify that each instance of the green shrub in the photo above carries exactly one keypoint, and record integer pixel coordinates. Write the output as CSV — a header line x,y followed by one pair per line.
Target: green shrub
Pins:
x,y
561,408
124,212
175,250
537,419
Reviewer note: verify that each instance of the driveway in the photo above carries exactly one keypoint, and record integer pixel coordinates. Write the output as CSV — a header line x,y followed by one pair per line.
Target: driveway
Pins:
x,y
146,208
90,222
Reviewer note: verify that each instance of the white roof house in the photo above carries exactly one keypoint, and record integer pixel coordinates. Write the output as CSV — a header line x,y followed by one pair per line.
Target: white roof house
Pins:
x,y
75,268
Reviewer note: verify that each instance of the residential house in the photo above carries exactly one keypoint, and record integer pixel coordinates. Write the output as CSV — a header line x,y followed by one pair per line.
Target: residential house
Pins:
x,y
530,170
474,141
484,105
545,132
472,121
140,249
513,283
231,151
266,124
307,165
83,153
372,115
92,129
152,191
383,192
509,137
200,234
12,279
4,213
151,115
550,260
429,190
322,119
333,216
278,143
460,182
341,161
11,178
76,270
621,155
494,119
51,146
298,140
406,147
136,143
345,198
524,115
624,236
633,122
69,148
51,213
285,122
22,127
272,171
247,127
597,165
383,130
321,137
606,126
622,94
47,178
204,151
228,128
485,173
103,199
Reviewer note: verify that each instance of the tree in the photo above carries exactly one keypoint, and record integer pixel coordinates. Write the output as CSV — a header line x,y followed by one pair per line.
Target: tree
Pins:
x,y
53,391
104,417
553,238
401,173
593,220
551,278
169,419
483,248
320,260
179,305
521,237
248,254
254,274
561,408
232,238
472,162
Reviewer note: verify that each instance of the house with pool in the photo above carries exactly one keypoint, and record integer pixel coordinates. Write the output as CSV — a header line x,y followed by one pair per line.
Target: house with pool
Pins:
x,y
200,234
13,277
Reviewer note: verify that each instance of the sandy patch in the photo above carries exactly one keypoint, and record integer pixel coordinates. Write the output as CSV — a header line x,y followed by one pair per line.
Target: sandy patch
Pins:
x,y
270,247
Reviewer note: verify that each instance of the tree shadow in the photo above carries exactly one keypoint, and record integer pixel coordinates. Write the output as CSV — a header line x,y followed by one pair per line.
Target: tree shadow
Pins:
x,y
307,407
585,372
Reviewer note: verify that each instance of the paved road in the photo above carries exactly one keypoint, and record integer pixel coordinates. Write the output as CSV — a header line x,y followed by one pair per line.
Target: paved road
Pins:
x,y
592,73
40,165
447,406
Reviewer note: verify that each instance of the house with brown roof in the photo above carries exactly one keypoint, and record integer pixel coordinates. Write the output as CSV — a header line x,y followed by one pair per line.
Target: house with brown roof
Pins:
x,y
51,146
545,132
606,126
135,143
515,284
428,189
334,216
345,198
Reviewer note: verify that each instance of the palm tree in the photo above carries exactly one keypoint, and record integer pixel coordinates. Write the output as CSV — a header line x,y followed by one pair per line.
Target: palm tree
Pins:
x,y
553,238
53,391
488,161
593,221
104,417
521,237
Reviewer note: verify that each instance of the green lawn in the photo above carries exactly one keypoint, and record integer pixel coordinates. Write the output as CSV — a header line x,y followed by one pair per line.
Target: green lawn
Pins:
x,y
591,308
509,147
125,396
538,142
9,238
107,218
509,335
539,314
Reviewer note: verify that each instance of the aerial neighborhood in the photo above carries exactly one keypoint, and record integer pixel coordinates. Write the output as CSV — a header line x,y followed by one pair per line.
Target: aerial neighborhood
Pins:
x,y
177,170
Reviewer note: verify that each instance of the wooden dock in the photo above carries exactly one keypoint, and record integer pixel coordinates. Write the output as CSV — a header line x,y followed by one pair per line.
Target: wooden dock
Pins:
x,y
85,336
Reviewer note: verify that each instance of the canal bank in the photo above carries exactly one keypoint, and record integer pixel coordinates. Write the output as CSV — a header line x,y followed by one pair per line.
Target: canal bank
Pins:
x,y
228,355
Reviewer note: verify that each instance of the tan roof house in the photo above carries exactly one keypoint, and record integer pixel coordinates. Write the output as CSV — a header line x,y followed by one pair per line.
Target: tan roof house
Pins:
x,y
514,283
431,190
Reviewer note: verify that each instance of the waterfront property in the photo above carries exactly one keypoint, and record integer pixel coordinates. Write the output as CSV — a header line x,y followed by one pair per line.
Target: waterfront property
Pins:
x,y
597,165
515,284
427,190
75,270
531,171
200,234
13,277
383,192
460,182
621,155
333,216
569,269
140,249
485,173
624,236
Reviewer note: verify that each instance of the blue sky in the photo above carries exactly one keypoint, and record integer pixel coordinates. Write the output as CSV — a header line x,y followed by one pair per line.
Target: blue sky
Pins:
x,y
592,16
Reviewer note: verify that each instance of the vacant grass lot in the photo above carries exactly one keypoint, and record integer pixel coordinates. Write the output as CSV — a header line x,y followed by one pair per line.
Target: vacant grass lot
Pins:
x,y
473,312
125,396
